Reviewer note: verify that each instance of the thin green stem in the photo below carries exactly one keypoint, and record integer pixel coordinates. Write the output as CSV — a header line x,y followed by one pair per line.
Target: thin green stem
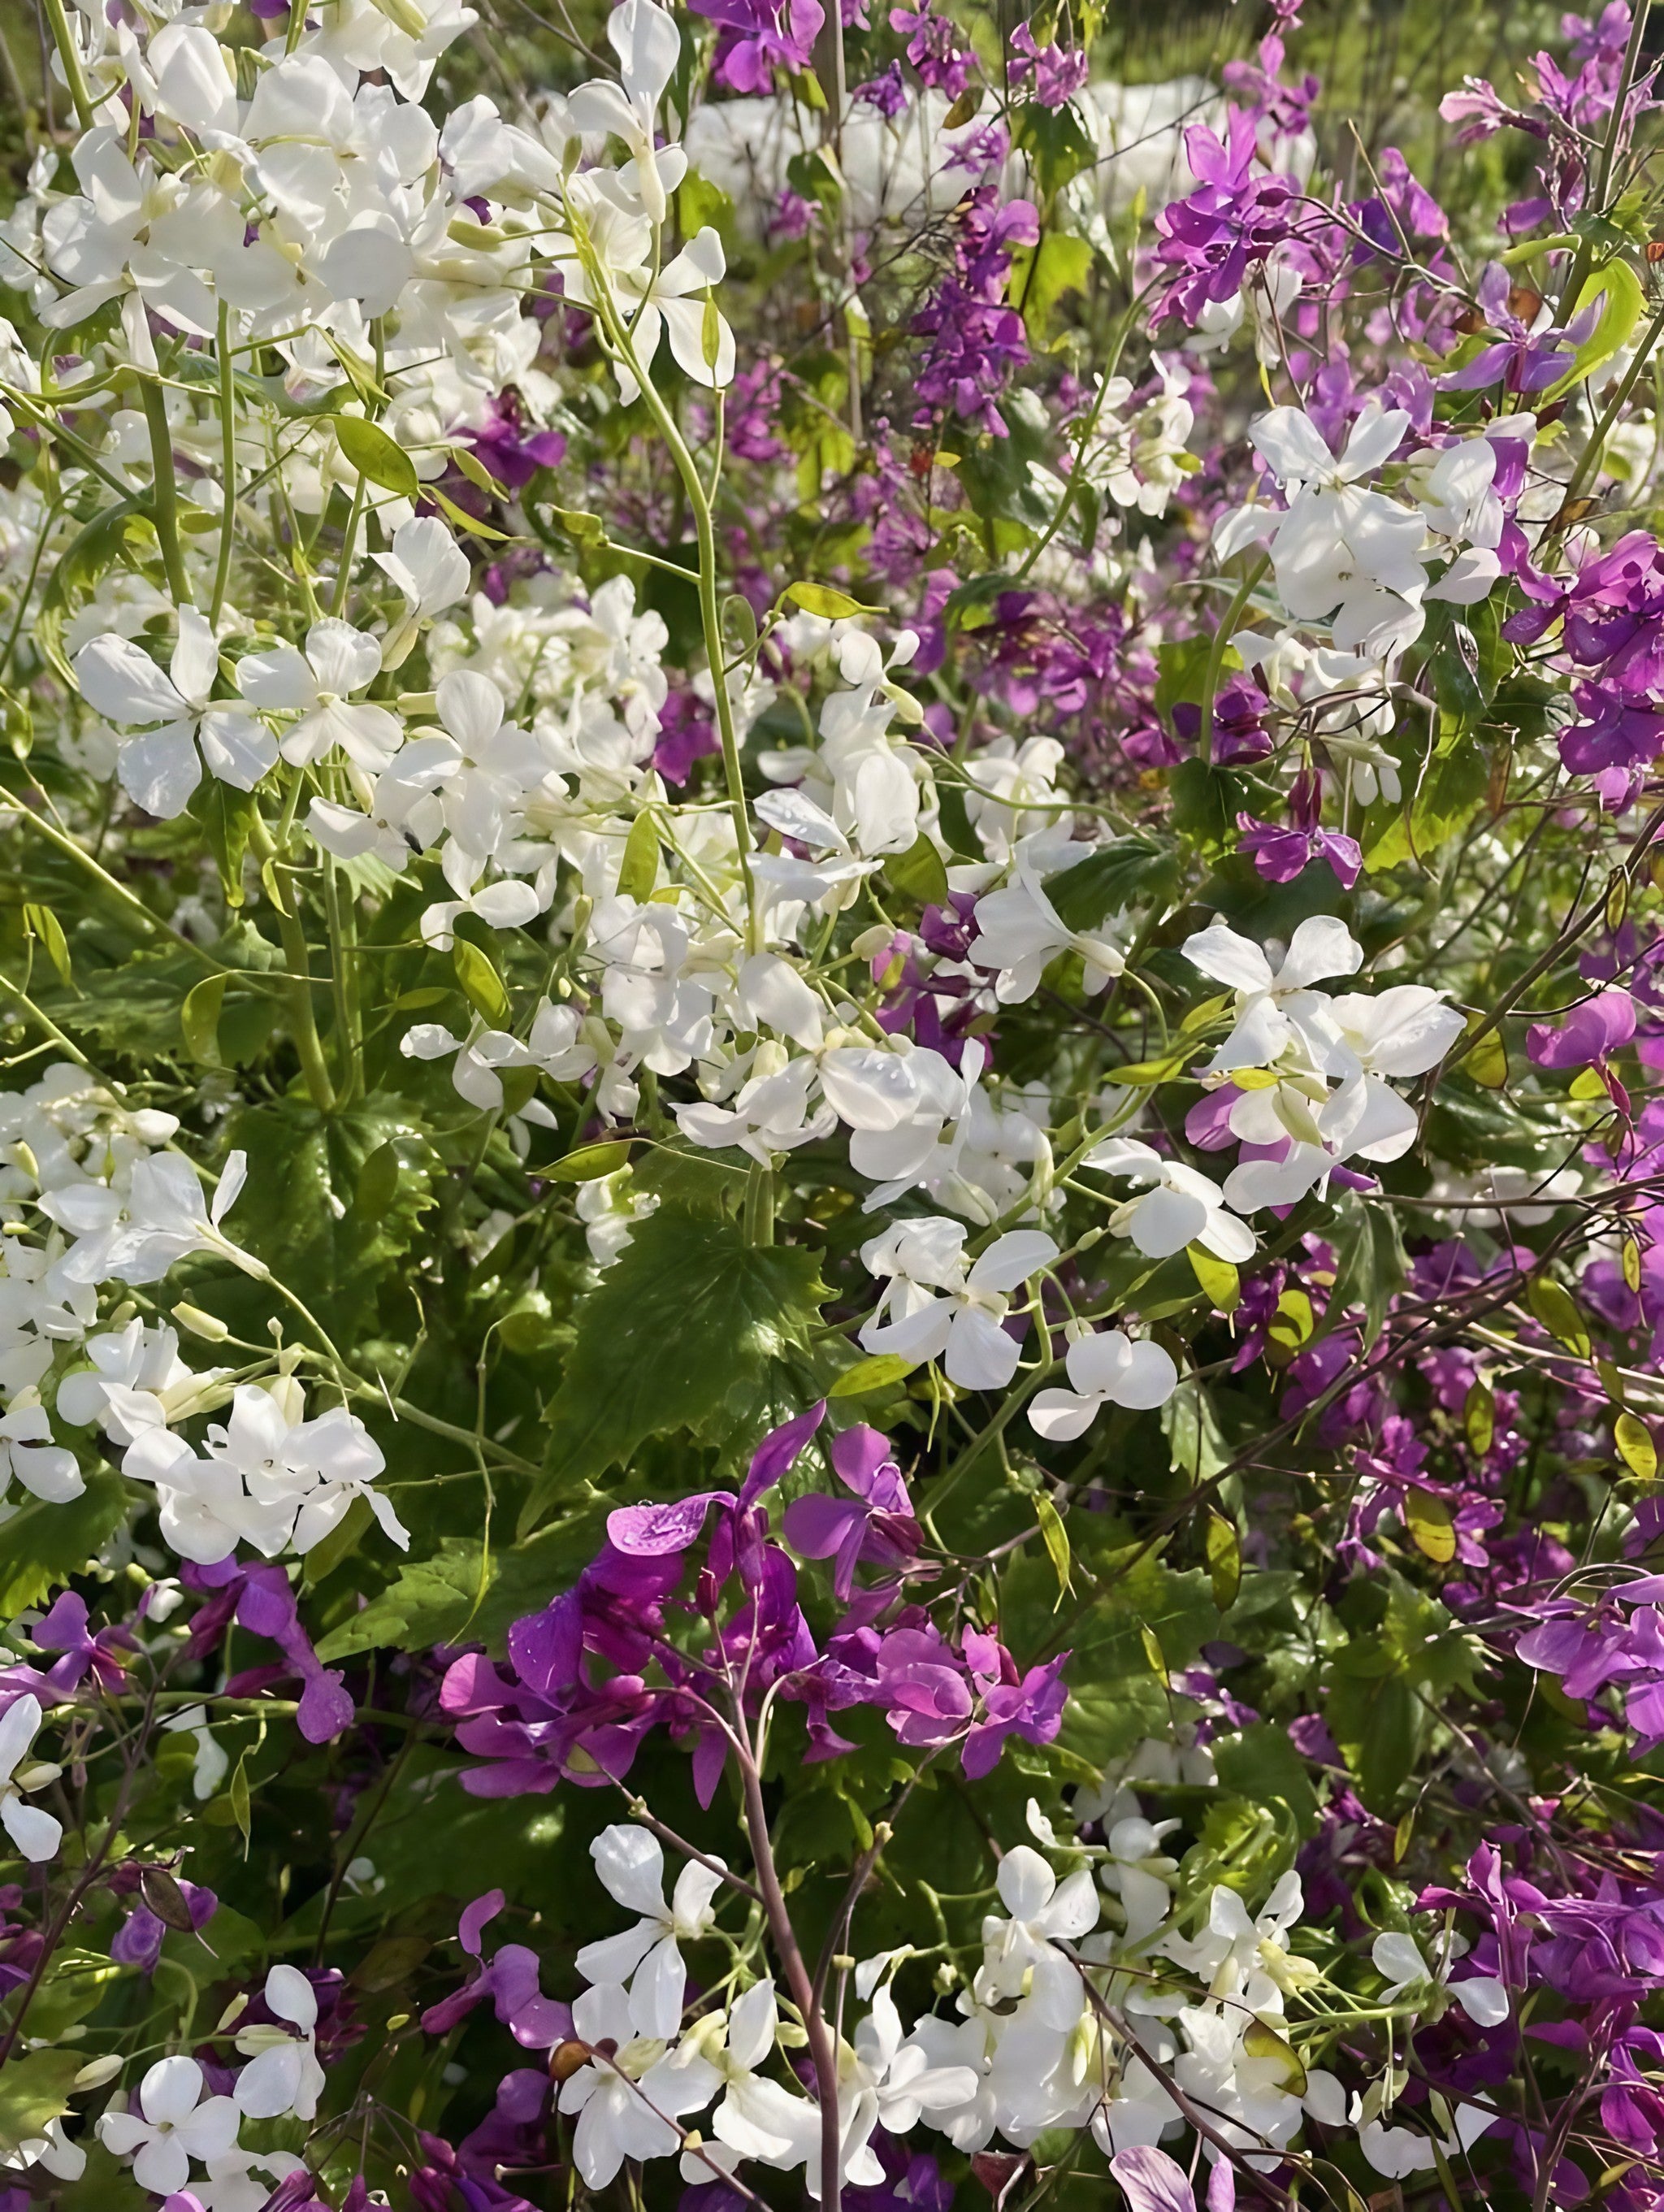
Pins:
x,y
69,55
303,1026
164,502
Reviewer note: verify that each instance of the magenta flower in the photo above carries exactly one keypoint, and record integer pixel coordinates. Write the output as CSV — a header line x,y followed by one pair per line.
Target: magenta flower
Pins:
x,y
876,1525
1602,1025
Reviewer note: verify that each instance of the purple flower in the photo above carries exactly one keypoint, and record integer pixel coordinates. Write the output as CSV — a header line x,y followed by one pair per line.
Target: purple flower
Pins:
x,y
510,1982
1602,1025
759,36
1282,853
64,1628
876,1525
1030,1705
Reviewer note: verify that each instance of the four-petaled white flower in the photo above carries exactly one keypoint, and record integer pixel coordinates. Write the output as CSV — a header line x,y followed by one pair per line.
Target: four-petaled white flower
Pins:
x,y
630,1862
1178,1205
172,2125
938,1305
1108,1368
160,769
316,685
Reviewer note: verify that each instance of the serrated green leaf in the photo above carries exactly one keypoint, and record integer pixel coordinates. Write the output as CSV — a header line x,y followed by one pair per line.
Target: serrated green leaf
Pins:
x,y
34,2088
683,1333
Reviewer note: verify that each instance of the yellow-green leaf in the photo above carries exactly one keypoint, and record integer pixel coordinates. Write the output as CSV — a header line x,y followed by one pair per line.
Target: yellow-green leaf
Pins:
x,y
638,872
1154,1655
1557,1309
1636,1447
879,1372
1056,1538
1618,288
239,1795
919,873
1478,1418
477,472
199,1019
1221,1284
1432,1531
1259,2041
1224,1559
827,601
48,929
375,455
1631,1264
1487,1063
481,985
589,1163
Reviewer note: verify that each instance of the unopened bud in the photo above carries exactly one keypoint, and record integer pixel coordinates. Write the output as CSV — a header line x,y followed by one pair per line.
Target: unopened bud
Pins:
x,y
196,1322
97,2071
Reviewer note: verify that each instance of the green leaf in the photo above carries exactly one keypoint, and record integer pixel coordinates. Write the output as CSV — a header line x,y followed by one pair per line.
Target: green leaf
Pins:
x,y
588,1162
918,873
882,1370
1557,1311
638,871
481,986
199,1019
1129,871
1619,289
1042,276
1220,1282
827,601
375,455
49,929
299,1211
1636,1447
1224,1559
685,1333
1478,1416
1432,1530
1057,145
1055,1538
42,1546
1373,1264
34,2088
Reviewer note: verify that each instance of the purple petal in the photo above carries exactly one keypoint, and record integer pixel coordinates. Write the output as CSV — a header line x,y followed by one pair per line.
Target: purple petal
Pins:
x,y
778,1451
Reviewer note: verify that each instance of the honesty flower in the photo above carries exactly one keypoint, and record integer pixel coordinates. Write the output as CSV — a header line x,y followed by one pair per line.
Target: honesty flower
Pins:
x,y
161,769
1273,1005
172,2125
36,1834
282,2074
1179,1206
315,684
630,1862
45,1470
1400,1959
938,1305
1108,1368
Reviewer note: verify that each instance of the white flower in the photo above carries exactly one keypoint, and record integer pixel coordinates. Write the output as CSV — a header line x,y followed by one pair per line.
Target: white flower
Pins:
x,y
1397,2152
1139,1872
648,46
630,1862
938,1307
160,769
1271,1003
910,1111
316,685
45,1470
283,2074
338,1461
770,1112
1341,552
615,2119
1482,1997
136,1381
1019,932
427,564
51,2151
35,1833
162,1219
1019,1955
556,1045
175,2126
1179,1206
1108,1368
